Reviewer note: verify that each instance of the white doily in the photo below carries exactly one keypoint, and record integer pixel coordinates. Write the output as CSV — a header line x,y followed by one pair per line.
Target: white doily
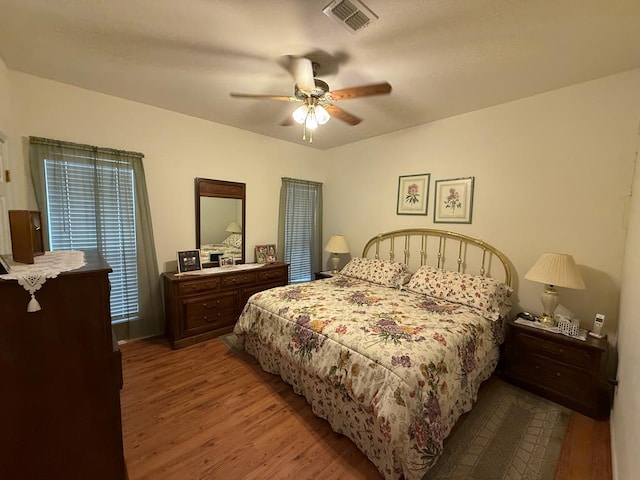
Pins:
x,y
49,265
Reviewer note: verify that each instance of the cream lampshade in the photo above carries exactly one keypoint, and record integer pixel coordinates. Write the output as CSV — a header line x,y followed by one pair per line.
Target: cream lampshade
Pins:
x,y
554,270
233,227
336,244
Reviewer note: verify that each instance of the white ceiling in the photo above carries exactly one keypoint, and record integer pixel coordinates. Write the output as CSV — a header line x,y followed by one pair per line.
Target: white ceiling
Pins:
x,y
442,57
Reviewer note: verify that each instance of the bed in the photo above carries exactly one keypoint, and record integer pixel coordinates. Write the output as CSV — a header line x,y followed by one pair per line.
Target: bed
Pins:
x,y
230,247
393,349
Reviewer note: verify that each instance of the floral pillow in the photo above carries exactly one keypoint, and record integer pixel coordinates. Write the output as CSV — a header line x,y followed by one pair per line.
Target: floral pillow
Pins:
x,y
487,295
382,272
233,240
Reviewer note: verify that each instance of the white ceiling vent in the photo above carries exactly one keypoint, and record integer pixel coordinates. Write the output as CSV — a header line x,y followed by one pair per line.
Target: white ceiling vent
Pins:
x,y
352,15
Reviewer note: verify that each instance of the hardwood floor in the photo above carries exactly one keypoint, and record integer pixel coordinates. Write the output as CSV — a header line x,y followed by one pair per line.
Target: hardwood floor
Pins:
x,y
203,412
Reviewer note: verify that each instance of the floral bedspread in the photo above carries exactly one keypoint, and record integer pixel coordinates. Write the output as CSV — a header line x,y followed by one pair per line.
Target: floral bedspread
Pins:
x,y
410,363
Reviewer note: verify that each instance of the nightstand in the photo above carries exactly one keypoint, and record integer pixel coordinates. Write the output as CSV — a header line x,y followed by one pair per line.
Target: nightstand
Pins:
x,y
565,370
321,275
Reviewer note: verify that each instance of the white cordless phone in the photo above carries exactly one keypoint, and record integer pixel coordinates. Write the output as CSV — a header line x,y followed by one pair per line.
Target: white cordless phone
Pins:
x,y
597,326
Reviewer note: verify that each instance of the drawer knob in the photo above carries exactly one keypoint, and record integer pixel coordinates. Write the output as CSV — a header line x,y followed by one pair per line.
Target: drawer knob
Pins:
x,y
210,320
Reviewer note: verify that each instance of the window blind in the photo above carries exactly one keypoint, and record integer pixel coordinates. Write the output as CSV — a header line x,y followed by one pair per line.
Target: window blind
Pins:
x,y
91,205
301,201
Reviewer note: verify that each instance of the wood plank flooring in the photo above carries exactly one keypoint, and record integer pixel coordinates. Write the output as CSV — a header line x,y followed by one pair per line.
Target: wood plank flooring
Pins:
x,y
203,412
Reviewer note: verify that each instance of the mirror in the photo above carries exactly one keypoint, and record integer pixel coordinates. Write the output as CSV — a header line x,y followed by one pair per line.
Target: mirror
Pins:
x,y
220,213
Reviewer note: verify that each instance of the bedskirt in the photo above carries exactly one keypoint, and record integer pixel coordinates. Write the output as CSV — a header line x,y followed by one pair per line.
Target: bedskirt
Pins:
x,y
350,418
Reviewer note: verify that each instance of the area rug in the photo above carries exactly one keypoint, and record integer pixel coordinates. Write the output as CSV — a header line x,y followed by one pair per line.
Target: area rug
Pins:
x,y
510,434
232,343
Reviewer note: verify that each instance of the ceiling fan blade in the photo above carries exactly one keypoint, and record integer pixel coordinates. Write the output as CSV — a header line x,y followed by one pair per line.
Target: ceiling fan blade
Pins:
x,y
301,70
283,98
363,91
340,114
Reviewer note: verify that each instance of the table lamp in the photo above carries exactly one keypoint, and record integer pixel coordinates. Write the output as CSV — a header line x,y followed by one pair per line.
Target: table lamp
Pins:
x,y
554,270
336,244
233,227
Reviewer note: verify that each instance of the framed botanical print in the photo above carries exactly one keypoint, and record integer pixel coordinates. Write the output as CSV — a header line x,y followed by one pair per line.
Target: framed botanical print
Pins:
x,y
453,201
413,194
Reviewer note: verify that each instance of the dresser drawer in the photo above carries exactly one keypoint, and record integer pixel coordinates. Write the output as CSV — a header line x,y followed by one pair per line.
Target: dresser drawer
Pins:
x,y
276,276
583,358
206,313
555,376
239,279
196,286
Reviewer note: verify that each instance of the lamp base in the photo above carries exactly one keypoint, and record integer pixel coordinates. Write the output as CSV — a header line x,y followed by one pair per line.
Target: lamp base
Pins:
x,y
335,260
548,320
550,300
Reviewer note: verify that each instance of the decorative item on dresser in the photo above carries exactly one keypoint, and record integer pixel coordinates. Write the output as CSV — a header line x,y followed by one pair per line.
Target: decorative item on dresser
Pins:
x,y
27,240
565,370
61,375
203,306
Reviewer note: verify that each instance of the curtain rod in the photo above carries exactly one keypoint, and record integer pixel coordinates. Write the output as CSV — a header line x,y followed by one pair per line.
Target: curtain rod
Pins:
x,y
82,146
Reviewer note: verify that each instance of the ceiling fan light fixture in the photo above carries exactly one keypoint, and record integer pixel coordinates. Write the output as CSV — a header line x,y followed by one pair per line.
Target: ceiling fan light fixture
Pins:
x,y
311,122
300,114
322,116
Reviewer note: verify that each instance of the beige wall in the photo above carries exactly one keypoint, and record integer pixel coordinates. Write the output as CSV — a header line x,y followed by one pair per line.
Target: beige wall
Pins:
x,y
177,149
625,419
4,98
552,173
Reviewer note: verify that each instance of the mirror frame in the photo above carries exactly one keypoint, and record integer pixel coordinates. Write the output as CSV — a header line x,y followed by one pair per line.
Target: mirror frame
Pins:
x,y
205,187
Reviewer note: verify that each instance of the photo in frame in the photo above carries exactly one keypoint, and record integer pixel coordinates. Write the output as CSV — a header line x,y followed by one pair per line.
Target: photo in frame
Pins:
x,y
453,200
227,261
266,253
413,194
189,261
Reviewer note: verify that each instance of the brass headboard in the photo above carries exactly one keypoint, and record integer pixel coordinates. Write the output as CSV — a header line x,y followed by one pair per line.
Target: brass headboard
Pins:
x,y
424,246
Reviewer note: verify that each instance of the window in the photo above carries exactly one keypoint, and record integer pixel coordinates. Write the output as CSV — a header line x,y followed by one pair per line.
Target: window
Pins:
x,y
300,228
85,199
96,198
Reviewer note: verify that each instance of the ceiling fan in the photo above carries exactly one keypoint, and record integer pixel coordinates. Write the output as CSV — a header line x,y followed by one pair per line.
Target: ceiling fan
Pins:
x,y
318,102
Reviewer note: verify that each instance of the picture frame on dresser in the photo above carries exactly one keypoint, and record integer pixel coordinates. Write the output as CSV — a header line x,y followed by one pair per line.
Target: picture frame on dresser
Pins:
x,y
189,261
227,261
266,253
4,266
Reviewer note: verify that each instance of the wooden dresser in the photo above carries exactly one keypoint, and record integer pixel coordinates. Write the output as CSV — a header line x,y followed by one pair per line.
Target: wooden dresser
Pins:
x,y
199,307
61,379
565,370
